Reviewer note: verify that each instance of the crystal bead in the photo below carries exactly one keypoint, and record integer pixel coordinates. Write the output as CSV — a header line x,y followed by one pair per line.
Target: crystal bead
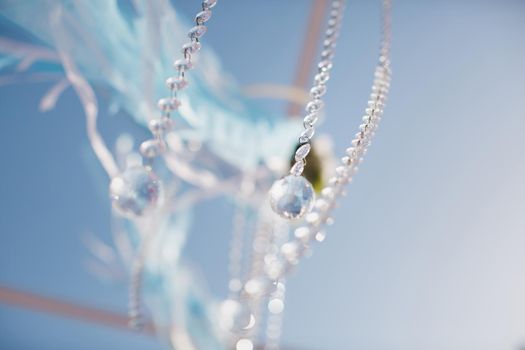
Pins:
x,y
346,160
333,181
208,4
235,285
203,16
168,104
341,171
334,13
320,236
322,204
329,43
183,64
244,344
314,106
275,269
307,134
258,286
161,125
318,91
275,306
379,73
336,4
327,53
297,168
302,152
191,47
136,322
235,316
292,196
325,65
351,151
331,33
152,148
197,32
135,192
328,192
302,233
313,218
311,119
176,83
291,251
322,77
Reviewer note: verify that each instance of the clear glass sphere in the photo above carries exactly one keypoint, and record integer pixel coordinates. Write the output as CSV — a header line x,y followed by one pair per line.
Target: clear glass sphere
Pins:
x,y
292,196
135,192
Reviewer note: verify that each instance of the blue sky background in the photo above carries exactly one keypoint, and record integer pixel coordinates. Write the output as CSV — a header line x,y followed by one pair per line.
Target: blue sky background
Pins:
x,y
427,250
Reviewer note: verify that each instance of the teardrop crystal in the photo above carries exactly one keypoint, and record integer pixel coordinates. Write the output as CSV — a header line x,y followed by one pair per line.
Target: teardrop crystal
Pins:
x,y
209,3
297,168
203,16
197,32
307,134
318,91
311,119
302,152
314,106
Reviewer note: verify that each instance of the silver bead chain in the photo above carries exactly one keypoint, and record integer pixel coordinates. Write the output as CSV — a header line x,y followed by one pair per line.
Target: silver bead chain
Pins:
x,y
311,231
316,104
135,312
156,146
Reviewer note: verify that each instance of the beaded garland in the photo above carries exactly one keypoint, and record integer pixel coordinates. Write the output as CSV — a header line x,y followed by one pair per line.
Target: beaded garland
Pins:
x,y
138,191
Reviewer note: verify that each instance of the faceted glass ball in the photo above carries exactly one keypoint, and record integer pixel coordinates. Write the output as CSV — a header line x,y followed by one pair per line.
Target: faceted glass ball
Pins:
x,y
292,196
135,192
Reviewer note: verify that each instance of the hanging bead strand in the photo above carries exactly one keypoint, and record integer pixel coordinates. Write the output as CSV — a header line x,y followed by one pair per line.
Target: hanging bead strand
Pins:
x,y
292,196
316,104
137,191
319,216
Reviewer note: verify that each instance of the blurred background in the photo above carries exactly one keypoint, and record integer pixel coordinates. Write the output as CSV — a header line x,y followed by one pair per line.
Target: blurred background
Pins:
x,y
428,248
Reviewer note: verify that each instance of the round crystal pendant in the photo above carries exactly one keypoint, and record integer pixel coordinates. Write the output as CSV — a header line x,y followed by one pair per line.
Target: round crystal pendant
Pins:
x,y
135,192
292,196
